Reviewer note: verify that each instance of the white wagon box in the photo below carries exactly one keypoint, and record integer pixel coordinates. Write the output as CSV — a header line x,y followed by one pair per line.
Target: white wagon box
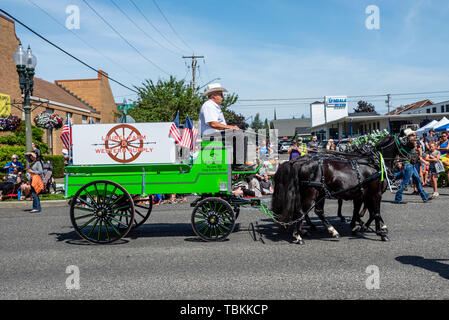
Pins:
x,y
127,143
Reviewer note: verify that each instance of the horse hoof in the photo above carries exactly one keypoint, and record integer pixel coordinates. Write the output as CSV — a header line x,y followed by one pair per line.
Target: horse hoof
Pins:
x,y
385,238
336,236
357,234
301,242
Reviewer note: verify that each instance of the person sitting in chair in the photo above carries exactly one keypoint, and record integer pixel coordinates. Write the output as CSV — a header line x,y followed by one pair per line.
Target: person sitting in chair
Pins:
x,y
13,163
11,182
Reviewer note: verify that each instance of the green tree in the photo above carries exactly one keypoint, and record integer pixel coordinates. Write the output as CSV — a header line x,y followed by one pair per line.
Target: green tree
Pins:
x,y
160,101
257,123
266,125
363,106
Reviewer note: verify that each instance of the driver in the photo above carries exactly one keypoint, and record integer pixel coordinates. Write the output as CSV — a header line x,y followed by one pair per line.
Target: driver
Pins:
x,y
213,123
409,172
211,116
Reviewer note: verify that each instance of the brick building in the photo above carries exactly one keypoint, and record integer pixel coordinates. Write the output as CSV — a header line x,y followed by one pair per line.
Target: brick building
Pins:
x,y
82,99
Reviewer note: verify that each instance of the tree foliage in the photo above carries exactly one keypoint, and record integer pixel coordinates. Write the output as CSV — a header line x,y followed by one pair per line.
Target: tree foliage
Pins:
x,y
18,138
257,123
160,101
363,106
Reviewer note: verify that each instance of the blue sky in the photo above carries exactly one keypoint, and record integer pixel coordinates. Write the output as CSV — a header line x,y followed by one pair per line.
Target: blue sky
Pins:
x,y
259,49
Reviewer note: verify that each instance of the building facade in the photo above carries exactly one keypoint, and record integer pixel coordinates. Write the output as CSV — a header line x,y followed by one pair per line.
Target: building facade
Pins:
x,y
80,99
356,124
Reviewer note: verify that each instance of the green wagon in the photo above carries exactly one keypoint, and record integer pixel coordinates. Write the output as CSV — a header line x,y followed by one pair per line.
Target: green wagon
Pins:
x,y
107,201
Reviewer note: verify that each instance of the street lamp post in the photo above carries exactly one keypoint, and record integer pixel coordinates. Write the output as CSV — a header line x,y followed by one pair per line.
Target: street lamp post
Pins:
x,y
26,63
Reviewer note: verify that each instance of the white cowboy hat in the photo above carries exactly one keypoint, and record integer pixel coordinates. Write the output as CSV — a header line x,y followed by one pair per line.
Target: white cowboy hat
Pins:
x,y
214,87
408,132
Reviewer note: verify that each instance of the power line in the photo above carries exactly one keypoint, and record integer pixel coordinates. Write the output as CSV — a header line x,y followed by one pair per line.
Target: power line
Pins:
x,y
354,96
143,31
85,42
124,39
67,53
290,105
154,27
173,29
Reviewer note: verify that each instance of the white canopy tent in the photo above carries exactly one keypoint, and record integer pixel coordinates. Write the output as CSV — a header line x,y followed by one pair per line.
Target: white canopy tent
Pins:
x,y
440,123
426,128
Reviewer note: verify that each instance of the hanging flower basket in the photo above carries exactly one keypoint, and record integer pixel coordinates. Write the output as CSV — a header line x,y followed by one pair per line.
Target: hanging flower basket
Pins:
x,y
10,123
48,121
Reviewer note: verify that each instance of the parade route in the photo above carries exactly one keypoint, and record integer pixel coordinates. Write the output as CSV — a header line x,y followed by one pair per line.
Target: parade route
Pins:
x,y
163,259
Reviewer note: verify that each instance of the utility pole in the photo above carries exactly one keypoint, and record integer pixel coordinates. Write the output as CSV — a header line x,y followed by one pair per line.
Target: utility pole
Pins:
x,y
194,66
388,106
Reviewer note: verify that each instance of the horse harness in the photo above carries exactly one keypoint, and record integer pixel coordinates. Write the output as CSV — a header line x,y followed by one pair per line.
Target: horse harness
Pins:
x,y
355,164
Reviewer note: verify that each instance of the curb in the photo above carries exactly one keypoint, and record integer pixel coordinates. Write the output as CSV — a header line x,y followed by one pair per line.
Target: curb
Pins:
x,y
29,203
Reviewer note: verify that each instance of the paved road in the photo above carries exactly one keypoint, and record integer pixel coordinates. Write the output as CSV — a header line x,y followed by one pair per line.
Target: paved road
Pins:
x,y
164,259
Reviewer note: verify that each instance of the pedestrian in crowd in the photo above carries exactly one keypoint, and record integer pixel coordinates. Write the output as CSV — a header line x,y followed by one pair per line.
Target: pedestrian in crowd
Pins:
x,y
409,173
25,190
294,151
418,165
266,187
66,156
313,144
444,148
11,181
433,157
330,145
424,169
13,163
157,199
36,150
422,144
37,185
429,139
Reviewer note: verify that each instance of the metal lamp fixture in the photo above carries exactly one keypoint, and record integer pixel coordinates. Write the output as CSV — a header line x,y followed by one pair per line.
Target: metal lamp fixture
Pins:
x,y
26,63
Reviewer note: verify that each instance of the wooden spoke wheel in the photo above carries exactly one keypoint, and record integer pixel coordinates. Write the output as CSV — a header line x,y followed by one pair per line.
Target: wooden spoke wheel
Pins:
x,y
124,143
213,219
142,209
102,212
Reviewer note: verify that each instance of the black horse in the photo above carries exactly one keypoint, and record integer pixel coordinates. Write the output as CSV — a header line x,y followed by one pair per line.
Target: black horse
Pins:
x,y
304,184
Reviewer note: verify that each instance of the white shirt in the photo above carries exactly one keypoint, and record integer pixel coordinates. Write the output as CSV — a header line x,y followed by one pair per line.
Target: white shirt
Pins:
x,y
210,111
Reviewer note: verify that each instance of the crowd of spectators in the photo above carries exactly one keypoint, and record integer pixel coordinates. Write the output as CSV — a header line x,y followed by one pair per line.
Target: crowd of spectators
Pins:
x,y
432,152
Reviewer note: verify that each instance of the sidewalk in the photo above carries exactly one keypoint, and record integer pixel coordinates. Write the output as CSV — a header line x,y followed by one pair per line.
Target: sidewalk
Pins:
x,y
25,204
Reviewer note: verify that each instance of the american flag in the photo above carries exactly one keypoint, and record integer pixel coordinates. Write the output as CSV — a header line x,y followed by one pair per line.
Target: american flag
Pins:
x,y
66,134
174,129
189,135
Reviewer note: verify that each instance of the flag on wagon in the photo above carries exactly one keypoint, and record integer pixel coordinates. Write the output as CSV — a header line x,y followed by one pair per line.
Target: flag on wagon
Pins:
x,y
174,129
189,135
66,134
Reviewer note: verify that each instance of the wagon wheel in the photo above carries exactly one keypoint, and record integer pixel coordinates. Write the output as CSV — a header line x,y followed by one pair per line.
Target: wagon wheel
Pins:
x,y
102,212
124,143
142,209
213,219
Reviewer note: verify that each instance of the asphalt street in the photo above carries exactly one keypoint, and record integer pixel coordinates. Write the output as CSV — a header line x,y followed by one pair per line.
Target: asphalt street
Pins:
x,y
163,259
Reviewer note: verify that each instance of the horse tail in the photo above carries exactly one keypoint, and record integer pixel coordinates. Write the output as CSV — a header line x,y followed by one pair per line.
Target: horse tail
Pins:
x,y
285,196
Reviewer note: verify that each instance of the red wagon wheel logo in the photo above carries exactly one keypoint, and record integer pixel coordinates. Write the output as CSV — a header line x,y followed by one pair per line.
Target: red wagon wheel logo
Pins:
x,y
124,143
